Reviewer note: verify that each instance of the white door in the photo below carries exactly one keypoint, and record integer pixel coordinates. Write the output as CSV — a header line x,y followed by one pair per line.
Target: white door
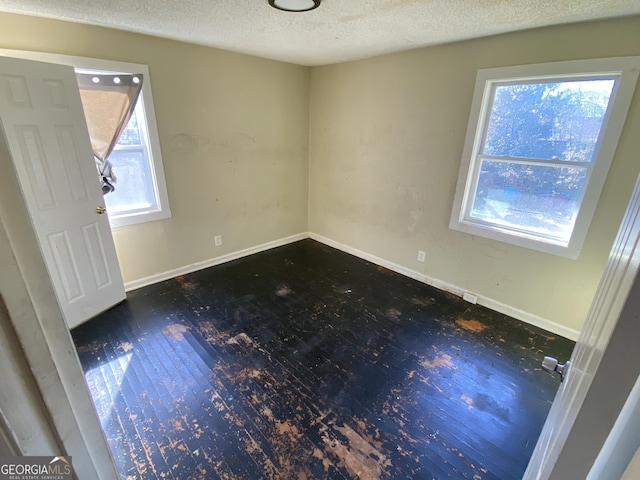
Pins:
x,y
611,298
43,121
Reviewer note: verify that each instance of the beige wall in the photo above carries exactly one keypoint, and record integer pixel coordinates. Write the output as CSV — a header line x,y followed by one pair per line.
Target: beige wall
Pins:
x,y
386,139
248,178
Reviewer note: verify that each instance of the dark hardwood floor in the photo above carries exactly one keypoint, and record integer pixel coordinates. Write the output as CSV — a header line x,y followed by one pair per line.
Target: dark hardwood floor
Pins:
x,y
304,362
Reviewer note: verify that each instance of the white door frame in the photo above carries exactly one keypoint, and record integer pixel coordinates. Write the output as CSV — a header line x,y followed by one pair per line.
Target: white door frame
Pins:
x,y
20,403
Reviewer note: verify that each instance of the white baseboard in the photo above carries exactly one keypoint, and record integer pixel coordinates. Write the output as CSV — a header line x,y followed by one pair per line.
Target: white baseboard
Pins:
x,y
407,272
529,318
194,267
495,305
434,282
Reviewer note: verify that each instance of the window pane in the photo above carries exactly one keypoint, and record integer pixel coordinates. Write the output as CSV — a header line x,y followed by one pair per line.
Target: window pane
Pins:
x,y
539,199
559,120
131,133
133,190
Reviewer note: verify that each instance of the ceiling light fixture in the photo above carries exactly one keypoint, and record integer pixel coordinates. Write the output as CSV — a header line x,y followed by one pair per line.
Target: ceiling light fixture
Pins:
x,y
295,5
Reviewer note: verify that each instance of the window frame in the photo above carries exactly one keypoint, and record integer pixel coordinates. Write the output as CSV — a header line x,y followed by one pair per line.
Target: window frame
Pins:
x,y
624,68
85,64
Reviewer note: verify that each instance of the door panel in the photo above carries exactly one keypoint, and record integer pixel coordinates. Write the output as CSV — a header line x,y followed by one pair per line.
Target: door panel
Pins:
x,y
68,145
36,166
42,117
66,265
99,264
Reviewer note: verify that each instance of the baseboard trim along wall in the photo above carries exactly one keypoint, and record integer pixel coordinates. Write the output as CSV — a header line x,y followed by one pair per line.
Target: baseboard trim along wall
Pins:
x,y
194,267
495,305
434,282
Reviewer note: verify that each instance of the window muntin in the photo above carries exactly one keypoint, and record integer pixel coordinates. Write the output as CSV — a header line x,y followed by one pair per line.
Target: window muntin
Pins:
x,y
539,144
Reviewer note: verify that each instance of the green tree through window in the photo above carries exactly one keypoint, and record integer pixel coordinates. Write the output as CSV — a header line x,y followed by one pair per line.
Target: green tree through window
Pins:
x,y
541,144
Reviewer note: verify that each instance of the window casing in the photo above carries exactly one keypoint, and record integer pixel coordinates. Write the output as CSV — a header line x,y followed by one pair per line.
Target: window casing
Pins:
x,y
142,197
539,144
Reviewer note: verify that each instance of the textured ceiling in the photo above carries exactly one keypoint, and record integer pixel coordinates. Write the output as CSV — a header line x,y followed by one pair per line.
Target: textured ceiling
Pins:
x,y
337,31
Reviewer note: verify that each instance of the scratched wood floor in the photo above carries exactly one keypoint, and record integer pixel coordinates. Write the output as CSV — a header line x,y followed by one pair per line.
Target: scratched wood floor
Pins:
x,y
304,362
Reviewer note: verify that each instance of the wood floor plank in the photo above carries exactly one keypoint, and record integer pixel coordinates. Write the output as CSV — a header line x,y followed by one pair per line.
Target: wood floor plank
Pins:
x,y
304,363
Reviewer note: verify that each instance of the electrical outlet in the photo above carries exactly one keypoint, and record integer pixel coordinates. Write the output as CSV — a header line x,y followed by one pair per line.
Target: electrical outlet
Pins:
x,y
218,240
421,256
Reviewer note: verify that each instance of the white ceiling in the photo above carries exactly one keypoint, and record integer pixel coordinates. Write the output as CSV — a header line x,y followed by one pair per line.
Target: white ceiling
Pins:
x,y
337,31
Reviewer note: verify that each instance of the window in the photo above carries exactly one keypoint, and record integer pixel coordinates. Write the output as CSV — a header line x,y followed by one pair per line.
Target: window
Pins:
x,y
130,161
141,192
539,144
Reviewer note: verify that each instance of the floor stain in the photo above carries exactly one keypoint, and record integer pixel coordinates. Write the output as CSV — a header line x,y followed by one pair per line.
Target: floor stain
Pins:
x,y
248,373
92,347
471,325
175,331
422,302
266,411
361,457
440,361
185,283
208,330
468,400
394,313
319,455
283,291
490,405
177,426
289,429
241,339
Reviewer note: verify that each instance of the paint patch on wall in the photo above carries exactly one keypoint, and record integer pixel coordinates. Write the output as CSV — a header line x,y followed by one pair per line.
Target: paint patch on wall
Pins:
x,y
183,143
